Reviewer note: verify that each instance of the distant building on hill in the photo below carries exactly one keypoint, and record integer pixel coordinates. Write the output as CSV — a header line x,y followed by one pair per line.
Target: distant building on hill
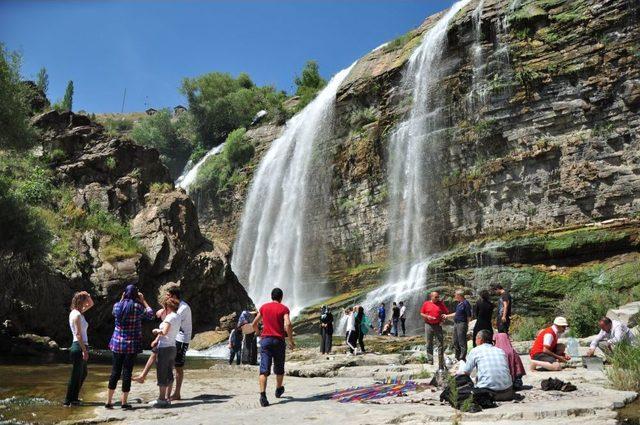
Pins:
x,y
177,110
150,111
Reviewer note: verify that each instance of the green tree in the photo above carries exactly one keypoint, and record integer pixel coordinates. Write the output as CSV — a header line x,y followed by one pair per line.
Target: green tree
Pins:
x,y
309,84
42,81
158,131
67,101
15,130
220,103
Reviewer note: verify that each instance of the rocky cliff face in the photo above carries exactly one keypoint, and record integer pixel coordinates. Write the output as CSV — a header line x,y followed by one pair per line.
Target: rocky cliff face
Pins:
x,y
114,184
543,100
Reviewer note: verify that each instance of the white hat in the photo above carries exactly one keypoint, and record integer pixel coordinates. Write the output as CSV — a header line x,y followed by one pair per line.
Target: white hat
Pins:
x,y
560,321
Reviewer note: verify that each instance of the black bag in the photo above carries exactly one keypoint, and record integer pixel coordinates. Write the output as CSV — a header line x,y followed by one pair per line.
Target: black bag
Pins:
x,y
481,397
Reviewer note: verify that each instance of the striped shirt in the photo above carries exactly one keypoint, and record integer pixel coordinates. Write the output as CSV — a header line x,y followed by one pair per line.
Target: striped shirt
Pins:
x,y
492,365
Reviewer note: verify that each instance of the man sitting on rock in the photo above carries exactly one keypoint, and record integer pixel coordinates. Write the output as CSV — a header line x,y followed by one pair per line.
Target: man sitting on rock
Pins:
x,y
546,352
612,332
493,368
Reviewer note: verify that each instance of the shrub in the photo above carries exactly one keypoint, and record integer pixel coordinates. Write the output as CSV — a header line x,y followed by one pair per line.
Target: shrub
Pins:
x,y
24,235
158,131
117,126
16,132
111,163
161,187
221,171
220,103
362,117
397,43
309,84
585,306
526,328
624,373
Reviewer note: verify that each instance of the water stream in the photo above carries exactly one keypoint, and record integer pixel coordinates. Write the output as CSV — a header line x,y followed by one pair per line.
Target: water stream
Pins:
x,y
190,173
280,242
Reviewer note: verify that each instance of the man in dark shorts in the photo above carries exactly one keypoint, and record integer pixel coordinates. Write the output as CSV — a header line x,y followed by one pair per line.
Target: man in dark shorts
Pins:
x,y
276,324
504,308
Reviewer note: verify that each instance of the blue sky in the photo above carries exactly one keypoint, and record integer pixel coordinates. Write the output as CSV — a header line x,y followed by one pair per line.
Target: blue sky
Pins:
x,y
148,47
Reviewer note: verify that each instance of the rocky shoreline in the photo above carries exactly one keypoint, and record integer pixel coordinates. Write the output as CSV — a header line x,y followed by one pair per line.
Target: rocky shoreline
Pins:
x,y
229,393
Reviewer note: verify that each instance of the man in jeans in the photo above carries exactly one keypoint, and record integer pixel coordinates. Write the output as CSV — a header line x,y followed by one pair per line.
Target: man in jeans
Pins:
x,y
276,324
461,318
434,312
395,318
503,320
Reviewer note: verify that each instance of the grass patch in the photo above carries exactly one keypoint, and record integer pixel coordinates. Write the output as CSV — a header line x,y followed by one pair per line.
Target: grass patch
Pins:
x,y
525,328
624,373
398,42
161,188
584,307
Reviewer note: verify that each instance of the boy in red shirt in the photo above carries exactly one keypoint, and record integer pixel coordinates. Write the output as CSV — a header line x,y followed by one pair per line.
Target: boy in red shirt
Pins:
x,y
276,325
433,312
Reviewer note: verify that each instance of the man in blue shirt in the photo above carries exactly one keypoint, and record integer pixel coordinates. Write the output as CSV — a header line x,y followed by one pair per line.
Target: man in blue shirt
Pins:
x,y
461,318
492,367
382,315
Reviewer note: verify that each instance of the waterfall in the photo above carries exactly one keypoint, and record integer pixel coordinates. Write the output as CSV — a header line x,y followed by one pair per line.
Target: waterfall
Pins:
x,y
279,243
409,169
478,92
189,174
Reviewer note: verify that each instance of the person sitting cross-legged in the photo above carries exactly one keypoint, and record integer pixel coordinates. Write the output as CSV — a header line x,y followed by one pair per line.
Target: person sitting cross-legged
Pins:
x,y
612,332
492,367
546,352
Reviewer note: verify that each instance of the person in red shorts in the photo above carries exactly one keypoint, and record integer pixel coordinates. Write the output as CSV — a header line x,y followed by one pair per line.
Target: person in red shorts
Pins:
x,y
433,312
276,325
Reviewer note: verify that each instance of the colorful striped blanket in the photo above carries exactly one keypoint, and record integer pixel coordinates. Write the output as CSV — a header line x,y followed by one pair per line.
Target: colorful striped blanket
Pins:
x,y
376,391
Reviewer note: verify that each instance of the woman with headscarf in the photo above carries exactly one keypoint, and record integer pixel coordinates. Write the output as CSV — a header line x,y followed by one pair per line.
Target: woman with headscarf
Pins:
x,y
126,341
516,368
483,311
79,351
326,330
363,325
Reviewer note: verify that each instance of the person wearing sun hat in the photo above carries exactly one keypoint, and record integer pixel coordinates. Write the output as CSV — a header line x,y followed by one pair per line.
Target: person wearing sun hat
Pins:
x,y
546,352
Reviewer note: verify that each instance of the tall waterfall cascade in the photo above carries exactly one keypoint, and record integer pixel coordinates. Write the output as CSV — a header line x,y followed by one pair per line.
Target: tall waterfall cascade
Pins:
x,y
279,243
409,154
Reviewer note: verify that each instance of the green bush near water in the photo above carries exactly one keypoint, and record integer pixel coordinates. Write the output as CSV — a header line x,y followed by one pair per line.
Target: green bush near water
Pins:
x,y
221,171
584,307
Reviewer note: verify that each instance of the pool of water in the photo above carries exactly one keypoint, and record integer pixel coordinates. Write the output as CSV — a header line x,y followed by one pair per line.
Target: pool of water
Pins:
x,y
630,414
33,392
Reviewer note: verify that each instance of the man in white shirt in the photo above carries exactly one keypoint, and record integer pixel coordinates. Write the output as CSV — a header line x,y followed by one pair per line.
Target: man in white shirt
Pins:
x,y
182,340
403,317
612,332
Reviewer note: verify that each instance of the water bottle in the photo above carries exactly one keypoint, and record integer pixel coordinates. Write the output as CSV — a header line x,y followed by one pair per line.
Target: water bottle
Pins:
x,y
573,347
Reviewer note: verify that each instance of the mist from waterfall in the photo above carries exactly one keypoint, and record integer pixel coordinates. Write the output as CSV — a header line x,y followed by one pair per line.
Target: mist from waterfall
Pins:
x,y
280,241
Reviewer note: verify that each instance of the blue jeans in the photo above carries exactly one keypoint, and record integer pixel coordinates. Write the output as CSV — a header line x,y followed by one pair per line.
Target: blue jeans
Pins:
x,y
394,329
272,350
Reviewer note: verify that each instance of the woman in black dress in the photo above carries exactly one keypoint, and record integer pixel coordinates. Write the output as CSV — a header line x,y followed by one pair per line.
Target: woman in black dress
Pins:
x,y
326,330
483,311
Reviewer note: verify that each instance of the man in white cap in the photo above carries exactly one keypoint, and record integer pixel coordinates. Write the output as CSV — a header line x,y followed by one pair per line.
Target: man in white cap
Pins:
x,y
546,352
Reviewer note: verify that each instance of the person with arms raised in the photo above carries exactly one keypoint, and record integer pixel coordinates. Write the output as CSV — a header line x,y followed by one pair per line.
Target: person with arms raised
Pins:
x,y
276,326
126,341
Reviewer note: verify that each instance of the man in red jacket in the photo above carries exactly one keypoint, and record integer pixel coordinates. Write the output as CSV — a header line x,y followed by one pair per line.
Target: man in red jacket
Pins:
x,y
546,352
433,312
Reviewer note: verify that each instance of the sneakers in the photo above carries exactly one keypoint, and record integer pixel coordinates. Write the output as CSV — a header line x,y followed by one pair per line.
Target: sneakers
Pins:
x,y
263,400
159,403
279,392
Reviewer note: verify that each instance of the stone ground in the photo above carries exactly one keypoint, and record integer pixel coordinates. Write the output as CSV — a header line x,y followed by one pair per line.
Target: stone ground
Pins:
x,y
228,395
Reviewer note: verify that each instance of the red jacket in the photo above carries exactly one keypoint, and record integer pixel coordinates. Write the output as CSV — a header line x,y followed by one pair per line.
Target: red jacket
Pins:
x,y
538,345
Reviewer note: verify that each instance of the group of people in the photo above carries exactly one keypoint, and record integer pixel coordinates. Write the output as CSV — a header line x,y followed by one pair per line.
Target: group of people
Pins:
x,y
358,325
242,340
169,346
398,319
